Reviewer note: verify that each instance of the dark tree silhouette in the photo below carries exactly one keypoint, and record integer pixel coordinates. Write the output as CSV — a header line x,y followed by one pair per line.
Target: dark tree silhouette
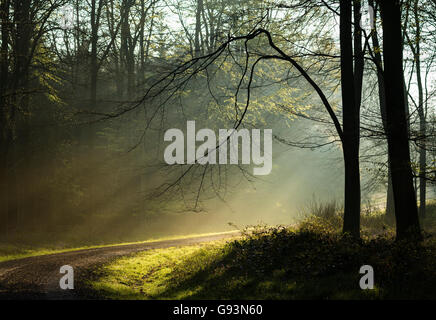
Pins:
x,y
351,91
406,212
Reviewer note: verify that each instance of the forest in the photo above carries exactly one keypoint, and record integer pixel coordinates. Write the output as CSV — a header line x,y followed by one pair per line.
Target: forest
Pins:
x,y
116,115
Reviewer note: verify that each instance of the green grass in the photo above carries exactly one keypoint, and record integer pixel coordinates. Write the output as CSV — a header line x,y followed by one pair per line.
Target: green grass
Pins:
x,y
147,274
12,252
242,269
313,261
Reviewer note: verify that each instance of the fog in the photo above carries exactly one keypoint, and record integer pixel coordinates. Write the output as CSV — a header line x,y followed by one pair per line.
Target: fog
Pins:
x,y
87,158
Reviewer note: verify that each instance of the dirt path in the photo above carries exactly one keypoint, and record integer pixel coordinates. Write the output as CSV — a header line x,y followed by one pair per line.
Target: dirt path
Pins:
x,y
38,277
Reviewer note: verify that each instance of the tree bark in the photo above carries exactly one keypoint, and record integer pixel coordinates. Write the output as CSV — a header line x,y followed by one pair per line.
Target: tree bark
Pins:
x,y
197,44
350,96
390,210
4,110
422,118
95,24
406,212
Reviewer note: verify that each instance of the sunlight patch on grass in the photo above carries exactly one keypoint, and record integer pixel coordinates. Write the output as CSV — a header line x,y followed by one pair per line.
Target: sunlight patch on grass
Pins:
x,y
148,275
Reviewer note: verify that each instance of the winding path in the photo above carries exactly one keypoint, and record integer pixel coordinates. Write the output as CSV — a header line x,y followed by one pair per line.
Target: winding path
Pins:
x,y
38,277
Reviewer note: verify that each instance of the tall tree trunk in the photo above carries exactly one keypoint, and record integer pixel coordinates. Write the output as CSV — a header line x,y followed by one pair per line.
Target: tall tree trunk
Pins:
x,y
18,101
350,123
422,117
23,152
141,72
93,67
390,209
4,111
406,211
197,36
124,48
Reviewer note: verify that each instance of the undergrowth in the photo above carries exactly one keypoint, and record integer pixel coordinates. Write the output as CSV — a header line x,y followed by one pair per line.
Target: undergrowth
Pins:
x,y
312,260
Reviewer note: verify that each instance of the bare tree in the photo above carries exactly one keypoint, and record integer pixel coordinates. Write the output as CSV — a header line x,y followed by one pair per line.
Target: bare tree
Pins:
x,y
406,212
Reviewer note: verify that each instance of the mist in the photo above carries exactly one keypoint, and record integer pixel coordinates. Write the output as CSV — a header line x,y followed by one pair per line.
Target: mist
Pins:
x,y
85,162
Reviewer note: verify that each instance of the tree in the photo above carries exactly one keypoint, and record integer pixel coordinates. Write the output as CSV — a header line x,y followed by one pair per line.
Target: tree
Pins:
x,y
24,24
351,82
415,47
96,10
390,210
406,212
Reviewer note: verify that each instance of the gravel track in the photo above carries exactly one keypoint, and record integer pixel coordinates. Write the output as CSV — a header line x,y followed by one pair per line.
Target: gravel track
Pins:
x,y
38,277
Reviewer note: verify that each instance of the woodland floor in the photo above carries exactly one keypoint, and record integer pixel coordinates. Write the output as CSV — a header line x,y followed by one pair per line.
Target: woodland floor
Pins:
x,y
38,277
312,261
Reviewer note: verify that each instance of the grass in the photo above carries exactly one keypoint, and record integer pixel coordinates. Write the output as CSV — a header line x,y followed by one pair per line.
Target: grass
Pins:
x,y
311,261
13,252
146,275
